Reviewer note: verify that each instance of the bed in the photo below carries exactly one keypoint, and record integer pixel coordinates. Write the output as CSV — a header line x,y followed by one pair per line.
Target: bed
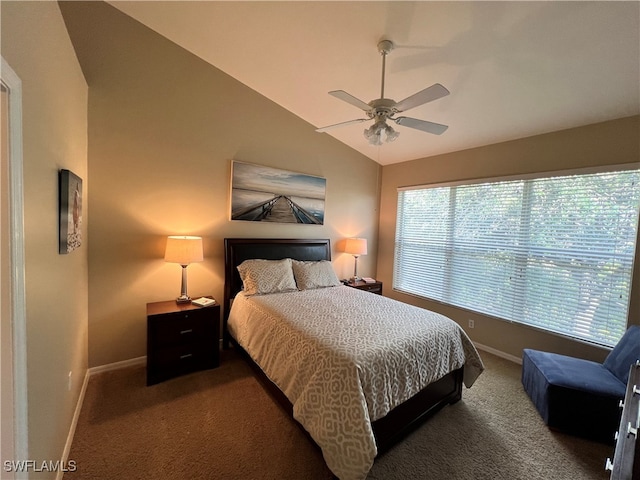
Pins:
x,y
331,361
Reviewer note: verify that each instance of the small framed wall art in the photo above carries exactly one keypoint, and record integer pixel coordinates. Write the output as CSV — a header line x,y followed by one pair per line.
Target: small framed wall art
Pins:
x,y
70,211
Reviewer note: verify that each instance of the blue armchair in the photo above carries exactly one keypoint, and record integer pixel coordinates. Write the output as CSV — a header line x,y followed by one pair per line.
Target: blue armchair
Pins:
x,y
577,396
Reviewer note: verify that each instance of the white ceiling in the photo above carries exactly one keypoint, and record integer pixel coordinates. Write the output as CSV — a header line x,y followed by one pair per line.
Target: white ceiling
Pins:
x,y
514,69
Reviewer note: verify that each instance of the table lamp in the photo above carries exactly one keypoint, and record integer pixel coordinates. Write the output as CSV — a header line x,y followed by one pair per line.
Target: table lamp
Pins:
x,y
356,247
183,250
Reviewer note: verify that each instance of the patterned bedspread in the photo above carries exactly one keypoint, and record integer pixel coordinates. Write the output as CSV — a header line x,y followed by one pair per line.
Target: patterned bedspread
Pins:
x,y
345,358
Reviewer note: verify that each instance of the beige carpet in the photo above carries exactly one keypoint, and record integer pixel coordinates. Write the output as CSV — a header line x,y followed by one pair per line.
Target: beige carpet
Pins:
x,y
221,424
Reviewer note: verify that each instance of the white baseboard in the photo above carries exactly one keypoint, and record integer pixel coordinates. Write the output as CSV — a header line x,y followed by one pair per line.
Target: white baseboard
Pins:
x,y
72,427
118,365
499,353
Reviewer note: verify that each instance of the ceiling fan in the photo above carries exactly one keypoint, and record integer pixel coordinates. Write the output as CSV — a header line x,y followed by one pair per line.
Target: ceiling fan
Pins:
x,y
383,109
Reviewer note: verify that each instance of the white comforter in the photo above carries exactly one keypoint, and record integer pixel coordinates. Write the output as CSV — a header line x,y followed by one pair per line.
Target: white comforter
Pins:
x,y
344,358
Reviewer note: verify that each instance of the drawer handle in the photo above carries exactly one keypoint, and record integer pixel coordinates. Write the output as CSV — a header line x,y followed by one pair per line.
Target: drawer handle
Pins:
x,y
636,390
631,430
189,330
609,465
186,355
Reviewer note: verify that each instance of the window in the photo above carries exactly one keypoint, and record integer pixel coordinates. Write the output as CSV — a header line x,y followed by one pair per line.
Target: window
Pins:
x,y
555,253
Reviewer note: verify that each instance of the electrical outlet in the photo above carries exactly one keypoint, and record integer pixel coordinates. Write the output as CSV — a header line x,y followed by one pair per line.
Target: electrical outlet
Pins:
x,y
472,324
69,384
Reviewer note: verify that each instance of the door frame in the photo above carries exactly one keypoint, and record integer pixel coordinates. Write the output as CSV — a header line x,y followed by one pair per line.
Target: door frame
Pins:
x,y
18,343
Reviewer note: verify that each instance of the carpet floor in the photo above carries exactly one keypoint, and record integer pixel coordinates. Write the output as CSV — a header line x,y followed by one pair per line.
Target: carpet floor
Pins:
x,y
222,424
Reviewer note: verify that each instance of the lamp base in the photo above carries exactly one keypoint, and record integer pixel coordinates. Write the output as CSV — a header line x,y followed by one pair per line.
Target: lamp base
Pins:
x,y
183,298
356,277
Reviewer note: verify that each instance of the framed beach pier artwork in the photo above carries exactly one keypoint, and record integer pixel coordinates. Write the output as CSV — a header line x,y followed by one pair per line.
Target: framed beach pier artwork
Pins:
x,y
70,211
266,194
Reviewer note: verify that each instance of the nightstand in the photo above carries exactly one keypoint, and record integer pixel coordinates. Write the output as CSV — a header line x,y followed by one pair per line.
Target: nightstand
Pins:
x,y
375,287
181,338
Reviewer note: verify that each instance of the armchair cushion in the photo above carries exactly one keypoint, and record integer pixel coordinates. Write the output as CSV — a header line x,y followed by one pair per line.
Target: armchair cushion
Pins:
x,y
576,374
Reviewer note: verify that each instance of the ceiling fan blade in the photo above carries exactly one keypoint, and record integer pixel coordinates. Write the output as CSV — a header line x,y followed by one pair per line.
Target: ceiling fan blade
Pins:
x,y
429,94
346,97
423,125
343,124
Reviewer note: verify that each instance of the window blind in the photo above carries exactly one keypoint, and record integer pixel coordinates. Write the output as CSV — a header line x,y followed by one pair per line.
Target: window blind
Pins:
x,y
555,253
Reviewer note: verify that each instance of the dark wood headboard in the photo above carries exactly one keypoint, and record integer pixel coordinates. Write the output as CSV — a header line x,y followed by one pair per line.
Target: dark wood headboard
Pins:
x,y
237,250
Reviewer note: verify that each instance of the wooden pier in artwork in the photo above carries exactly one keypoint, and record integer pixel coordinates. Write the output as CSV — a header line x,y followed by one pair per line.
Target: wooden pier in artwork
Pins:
x,y
280,209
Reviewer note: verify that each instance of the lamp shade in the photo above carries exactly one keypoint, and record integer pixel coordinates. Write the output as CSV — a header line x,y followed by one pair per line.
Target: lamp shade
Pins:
x,y
356,246
183,250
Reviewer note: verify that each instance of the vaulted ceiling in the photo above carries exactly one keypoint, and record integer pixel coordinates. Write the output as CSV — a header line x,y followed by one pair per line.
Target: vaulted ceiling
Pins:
x,y
514,69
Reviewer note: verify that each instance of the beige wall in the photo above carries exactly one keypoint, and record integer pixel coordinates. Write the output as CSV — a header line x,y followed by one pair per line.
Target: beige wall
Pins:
x,y
609,143
163,129
36,45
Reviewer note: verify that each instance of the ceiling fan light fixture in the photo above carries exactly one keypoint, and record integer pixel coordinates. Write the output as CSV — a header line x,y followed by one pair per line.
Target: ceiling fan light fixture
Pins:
x,y
391,134
380,132
372,134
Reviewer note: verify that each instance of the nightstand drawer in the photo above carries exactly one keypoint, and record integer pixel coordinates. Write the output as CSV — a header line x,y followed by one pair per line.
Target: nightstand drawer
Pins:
x,y
375,287
372,287
185,357
179,328
171,362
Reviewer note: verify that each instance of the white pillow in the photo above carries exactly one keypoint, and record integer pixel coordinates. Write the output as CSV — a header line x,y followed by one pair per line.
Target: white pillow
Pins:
x,y
260,277
311,275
